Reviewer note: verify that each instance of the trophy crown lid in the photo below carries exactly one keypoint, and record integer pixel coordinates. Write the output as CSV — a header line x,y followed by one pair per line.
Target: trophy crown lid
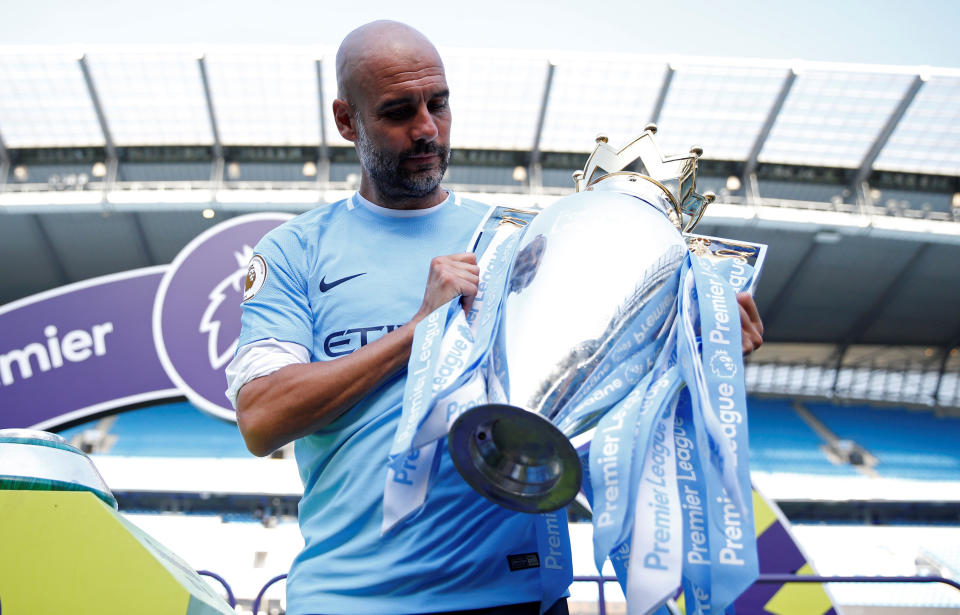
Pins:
x,y
675,175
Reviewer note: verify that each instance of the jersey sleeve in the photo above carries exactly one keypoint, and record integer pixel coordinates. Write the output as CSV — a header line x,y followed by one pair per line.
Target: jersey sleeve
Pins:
x,y
261,358
276,303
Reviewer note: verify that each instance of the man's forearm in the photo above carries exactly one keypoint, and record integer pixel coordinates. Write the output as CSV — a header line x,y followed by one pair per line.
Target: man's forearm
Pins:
x,y
297,400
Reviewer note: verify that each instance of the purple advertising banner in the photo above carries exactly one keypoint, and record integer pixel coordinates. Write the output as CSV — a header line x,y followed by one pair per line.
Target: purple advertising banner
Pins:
x,y
67,352
132,337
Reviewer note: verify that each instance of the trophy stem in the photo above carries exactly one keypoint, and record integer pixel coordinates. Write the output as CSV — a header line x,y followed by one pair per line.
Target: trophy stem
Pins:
x,y
515,458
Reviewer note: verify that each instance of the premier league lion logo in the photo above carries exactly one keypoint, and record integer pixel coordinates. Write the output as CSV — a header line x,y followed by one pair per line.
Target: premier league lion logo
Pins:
x,y
196,318
722,365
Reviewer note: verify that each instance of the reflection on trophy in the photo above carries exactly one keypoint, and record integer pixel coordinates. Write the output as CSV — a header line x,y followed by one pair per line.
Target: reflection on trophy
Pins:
x,y
586,268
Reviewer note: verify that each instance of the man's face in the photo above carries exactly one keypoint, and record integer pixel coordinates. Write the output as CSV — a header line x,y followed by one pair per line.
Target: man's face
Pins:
x,y
403,127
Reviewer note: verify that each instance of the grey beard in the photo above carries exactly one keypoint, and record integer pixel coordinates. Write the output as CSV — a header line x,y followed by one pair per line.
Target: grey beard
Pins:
x,y
390,178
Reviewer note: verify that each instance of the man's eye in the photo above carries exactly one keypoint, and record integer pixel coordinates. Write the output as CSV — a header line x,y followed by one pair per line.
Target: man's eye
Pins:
x,y
398,114
438,105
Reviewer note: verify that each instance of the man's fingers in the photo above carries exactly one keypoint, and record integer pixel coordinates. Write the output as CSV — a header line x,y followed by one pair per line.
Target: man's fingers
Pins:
x,y
451,276
748,307
750,323
751,331
461,257
468,287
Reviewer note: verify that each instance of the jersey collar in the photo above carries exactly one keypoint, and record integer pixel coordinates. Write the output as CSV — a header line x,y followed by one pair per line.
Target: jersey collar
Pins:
x,y
358,200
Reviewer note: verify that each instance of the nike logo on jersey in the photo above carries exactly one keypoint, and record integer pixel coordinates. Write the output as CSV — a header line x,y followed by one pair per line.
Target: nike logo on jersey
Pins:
x,y
324,286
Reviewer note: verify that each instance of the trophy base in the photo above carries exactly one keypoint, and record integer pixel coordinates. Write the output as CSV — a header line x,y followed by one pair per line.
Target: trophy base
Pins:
x,y
515,458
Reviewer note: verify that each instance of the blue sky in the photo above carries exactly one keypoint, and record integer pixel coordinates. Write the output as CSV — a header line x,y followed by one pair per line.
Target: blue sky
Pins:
x,y
873,32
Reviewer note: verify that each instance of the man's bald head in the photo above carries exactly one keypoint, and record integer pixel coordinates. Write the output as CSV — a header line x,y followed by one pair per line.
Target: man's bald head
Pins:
x,y
372,44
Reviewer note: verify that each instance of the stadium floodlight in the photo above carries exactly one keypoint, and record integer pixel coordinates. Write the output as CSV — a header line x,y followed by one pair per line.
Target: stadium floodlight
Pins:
x,y
233,170
310,169
208,213
99,169
21,174
955,202
519,173
733,183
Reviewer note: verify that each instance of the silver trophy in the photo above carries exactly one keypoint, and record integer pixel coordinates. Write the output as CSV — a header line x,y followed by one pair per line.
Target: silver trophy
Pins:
x,y
585,268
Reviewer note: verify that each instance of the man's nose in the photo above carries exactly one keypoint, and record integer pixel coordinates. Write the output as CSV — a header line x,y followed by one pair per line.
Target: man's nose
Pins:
x,y
424,125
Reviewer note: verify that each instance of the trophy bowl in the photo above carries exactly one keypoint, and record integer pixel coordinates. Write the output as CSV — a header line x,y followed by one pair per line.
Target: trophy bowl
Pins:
x,y
586,267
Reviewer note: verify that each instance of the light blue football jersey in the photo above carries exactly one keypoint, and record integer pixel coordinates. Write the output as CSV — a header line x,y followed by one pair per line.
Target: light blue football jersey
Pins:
x,y
338,277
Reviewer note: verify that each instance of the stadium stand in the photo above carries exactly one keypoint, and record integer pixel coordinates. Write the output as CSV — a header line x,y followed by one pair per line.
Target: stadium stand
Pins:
x,y
169,430
907,444
164,171
781,442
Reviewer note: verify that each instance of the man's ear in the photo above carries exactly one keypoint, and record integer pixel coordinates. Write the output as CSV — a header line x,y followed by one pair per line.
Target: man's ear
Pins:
x,y
343,116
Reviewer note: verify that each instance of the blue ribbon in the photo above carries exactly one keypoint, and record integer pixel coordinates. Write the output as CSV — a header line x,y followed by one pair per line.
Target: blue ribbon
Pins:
x,y
445,377
720,397
708,447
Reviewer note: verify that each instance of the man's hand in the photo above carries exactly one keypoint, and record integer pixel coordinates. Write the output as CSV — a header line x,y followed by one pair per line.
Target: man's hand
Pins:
x,y
450,276
750,324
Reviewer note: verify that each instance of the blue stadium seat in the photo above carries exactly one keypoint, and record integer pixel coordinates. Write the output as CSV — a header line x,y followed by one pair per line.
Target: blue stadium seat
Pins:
x,y
907,444
171,430
781,442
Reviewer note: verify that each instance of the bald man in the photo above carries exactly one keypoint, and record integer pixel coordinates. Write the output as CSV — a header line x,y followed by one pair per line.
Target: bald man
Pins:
x,y
328,321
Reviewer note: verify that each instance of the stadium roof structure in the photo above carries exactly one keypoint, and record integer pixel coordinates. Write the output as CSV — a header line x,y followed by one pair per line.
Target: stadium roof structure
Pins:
x,y
859,118
851,173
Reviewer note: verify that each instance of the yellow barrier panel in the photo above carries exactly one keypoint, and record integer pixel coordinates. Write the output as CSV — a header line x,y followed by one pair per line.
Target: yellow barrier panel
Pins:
x,y
68,552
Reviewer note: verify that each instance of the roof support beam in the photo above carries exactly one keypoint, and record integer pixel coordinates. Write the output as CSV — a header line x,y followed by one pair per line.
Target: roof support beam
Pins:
x,y
148,255
323,156
771,313
109,147
534,172
866,165
870,316
893,288
662,95
50,248
4,164
944,357
216,175
750,166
